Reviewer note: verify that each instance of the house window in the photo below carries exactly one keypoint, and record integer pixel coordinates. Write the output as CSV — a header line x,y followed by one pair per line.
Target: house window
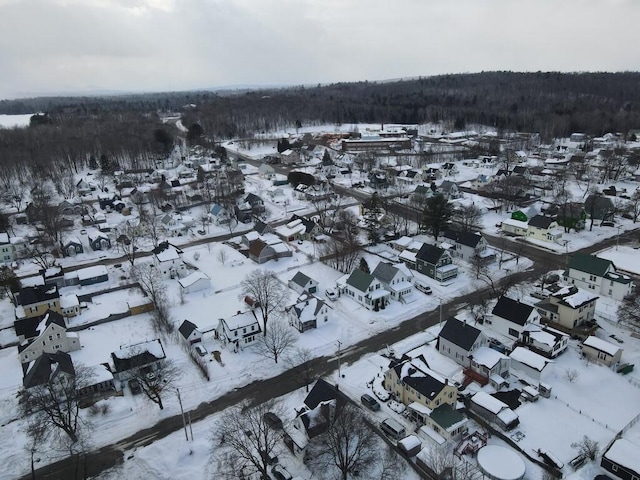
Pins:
x,y
614,468
50,337
235,333
602,356
58,335
244,330
513,333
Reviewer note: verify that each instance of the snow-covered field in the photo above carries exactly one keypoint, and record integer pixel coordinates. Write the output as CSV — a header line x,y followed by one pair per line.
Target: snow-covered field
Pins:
x,y
11,121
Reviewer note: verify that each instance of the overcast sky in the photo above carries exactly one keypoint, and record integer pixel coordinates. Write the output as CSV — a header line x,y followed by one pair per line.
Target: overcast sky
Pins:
x,y
55,46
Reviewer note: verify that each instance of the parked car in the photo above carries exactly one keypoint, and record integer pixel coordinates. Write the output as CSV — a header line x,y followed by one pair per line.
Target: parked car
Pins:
x,y
280,473
134,386
201,350
370,402
331,294
423,287
272,420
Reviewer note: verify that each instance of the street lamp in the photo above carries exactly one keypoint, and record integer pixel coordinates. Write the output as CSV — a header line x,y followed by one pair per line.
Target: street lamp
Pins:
x,y
339,347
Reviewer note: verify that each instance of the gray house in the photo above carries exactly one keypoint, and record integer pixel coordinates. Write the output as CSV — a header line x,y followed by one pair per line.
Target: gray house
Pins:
x,y
466,245
303,284
457,340
397,280
599,207
72,247
98,240
436,263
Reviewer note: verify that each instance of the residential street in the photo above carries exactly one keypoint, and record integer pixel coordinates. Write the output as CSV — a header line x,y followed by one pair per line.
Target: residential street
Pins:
x,y
262,390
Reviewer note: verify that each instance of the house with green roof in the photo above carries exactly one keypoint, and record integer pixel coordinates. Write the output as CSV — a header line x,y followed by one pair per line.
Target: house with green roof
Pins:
x,y
366,289
597,275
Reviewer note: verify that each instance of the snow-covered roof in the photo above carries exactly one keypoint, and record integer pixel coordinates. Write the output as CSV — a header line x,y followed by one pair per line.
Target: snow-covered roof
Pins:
x,y
154,347
487,357
542,337
488,402
69,301
168,254
625,454
4,237
92,272
574,297
241,320
193,278
410,442
529,358
420,408
599,344
515,223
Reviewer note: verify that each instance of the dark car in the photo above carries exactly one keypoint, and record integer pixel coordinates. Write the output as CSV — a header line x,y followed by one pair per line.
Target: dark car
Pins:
x,y
134,386
370,402
272,420
280,473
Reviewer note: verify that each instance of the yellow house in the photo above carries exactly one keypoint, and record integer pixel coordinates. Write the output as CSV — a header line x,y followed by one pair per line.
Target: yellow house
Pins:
x,y
569,307
35,301
543,228
411,380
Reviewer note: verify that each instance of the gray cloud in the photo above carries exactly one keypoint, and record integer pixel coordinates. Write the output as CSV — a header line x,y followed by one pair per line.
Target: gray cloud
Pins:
x,y
75,45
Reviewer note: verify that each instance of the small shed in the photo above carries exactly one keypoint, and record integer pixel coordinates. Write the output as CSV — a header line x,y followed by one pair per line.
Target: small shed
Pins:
x,y
195,282
301,283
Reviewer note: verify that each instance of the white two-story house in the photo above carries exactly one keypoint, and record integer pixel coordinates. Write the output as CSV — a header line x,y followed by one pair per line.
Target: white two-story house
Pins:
x,y
597,275
396,279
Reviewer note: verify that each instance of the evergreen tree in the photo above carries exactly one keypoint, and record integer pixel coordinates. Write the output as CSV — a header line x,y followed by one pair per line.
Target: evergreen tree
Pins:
x,y
436,214
364,266
372,212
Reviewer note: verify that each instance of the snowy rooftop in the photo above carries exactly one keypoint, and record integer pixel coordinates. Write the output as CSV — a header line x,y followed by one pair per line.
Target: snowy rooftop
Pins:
x,y
624,453
69,301
193,278
599,344
488,402
487,357
529,358
91,272
241,320
154,347
577,298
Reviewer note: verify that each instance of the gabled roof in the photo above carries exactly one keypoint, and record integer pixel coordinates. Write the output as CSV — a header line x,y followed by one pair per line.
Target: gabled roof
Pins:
x,y
424,383
385,272
45,367
459,333
252,198
360,280
261,227
165,251
137,355
430,253
32,327
540,221
323,392
300,279
512,310
256,247
309,225
589,264
307,309
468,239
37,294
187,328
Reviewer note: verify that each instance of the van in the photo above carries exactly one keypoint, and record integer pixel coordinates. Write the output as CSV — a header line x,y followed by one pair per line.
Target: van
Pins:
x,y
393,429
370,402
423,288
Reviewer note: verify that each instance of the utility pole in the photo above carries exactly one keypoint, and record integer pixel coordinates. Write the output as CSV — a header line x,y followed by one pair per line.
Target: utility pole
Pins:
x,y
618,237
184,423
441,312
339,347
190,425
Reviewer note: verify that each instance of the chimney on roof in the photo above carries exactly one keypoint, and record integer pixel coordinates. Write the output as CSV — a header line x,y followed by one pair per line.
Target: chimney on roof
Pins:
x,y
239,312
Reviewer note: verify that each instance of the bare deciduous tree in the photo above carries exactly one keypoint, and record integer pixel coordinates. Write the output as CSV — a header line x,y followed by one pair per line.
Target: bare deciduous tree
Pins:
x,y
265,288
299,364
129,239
468,217
278,340
222,255
55,404
571,374
154,383
151,282
242,442
587,447
629,310
348,446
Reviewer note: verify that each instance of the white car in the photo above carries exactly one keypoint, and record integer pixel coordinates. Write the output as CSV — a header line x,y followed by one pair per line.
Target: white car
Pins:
x,y
331,294
200,350
423,288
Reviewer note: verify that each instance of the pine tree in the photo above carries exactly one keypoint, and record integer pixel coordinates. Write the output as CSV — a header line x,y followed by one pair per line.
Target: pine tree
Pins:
x,y
364,266
372,211
436,214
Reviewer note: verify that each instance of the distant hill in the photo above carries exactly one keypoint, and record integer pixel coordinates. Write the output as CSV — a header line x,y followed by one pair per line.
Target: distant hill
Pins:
x,y
551,103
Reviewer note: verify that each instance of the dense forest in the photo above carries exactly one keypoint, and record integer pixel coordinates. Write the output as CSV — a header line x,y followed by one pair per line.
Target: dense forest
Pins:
x,y
127,128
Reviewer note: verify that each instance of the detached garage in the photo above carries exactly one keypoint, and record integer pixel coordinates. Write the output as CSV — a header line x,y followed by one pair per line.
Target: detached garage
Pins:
x,y
195,282
91,275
